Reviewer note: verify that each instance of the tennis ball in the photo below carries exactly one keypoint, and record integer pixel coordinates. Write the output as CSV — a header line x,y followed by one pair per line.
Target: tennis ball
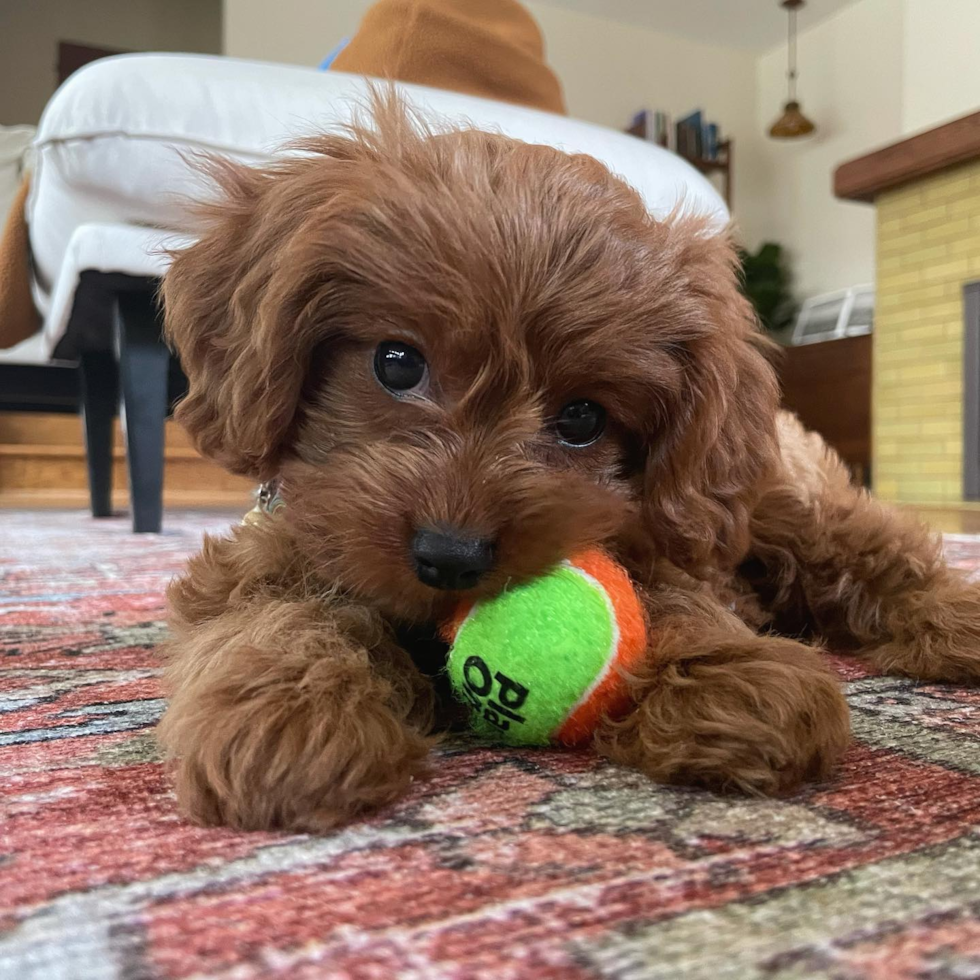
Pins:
x,y
543,662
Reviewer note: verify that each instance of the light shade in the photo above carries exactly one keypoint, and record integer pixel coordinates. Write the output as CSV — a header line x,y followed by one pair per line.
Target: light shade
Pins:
x,y
792,124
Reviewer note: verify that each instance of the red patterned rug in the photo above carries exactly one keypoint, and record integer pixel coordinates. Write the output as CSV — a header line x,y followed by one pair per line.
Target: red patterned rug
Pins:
x,y
506,865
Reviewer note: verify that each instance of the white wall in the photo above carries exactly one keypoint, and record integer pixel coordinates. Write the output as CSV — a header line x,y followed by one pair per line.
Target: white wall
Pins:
x,y
941,54
31,29
294,32
608,69
850,75
873,72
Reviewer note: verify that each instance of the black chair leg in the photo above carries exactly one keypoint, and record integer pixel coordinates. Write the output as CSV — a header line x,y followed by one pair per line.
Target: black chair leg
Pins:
x,y
99,396
144,363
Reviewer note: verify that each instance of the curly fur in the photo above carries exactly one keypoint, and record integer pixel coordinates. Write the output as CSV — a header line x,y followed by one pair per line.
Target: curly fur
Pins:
x,y
528,278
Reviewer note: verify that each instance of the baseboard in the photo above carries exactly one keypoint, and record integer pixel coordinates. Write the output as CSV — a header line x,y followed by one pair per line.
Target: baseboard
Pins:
x,y
73,499
47,453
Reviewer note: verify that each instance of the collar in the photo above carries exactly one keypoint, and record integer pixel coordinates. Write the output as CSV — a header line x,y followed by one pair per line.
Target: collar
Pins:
x,y
268,502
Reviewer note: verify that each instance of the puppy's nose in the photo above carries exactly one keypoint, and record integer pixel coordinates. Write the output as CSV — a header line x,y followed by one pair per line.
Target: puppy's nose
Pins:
x,y
449,559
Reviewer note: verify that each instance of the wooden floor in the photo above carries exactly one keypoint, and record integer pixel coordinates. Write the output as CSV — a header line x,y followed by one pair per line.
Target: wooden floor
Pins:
x,y
48,499
43,464
963,519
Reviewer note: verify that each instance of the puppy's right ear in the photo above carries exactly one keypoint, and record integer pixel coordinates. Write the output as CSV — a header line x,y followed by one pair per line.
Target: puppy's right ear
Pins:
x,y
231,327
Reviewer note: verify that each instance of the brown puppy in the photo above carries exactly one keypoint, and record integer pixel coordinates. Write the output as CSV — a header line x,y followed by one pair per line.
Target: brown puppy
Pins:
x,y
466,357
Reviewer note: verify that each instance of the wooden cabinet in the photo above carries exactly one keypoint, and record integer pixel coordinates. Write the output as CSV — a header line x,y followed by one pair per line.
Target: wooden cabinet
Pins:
x,y
828,385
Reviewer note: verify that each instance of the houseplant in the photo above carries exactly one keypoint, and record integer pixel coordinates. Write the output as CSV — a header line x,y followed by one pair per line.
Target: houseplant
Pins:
x,y
765,280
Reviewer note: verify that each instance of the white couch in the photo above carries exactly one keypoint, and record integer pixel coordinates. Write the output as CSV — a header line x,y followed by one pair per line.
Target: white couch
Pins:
x,y
110,154
112,180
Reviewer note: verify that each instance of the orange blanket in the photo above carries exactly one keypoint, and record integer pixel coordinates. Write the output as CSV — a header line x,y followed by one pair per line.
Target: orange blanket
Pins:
x,y
491,48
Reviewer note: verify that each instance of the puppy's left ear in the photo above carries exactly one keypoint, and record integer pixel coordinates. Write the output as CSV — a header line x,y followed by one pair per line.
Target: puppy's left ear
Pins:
x,y
704,477
248,306
234,325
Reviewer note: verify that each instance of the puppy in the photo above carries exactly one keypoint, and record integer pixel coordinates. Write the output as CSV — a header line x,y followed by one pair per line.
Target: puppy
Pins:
x,y
463,357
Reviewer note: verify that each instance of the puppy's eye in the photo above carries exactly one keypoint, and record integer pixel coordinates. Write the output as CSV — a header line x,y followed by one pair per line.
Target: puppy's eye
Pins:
x,y
398,366
580,423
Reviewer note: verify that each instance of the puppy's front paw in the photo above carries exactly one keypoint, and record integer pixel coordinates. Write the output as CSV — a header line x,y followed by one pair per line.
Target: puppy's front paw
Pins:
x,y
279,719
297,769
760,715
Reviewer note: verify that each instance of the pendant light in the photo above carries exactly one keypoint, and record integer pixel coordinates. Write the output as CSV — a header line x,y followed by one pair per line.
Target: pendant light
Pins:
x,y
792,124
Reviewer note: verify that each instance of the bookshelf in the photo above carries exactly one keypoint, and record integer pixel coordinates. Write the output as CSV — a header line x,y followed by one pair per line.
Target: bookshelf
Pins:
x,y
722,164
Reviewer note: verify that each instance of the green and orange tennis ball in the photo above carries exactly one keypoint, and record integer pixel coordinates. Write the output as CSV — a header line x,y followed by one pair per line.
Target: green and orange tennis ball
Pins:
x,y
544,661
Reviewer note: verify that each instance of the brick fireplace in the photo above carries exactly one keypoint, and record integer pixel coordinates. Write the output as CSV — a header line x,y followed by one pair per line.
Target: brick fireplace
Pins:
x,y
926,388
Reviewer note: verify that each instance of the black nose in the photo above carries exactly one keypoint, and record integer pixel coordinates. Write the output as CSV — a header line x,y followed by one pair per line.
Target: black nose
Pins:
x,y
449,559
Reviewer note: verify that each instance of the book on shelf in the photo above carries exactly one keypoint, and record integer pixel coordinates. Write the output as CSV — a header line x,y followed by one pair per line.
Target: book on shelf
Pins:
x,y
653,126
692,136
710,148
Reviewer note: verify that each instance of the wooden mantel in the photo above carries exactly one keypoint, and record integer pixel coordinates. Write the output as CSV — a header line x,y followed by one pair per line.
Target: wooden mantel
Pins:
x,y
909,159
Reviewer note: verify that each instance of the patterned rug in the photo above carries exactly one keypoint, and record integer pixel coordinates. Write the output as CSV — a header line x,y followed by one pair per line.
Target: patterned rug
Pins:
x,y
506,865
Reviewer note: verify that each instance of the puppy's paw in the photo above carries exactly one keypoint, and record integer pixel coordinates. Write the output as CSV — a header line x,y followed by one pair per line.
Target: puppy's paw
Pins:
x,y
279,719
296,769
936,635
759,715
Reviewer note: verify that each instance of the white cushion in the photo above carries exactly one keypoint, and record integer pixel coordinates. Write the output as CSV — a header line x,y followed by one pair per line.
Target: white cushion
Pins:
x,y
101,247
15,151
15,142
96,247
112,145
34,350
